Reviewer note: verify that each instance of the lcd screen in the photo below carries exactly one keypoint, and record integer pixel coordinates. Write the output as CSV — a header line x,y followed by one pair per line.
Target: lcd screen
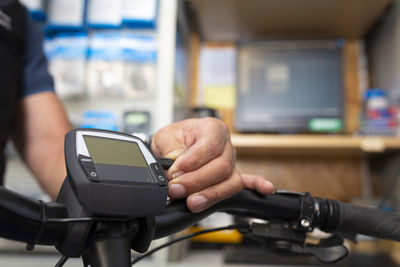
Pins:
x,y
114,152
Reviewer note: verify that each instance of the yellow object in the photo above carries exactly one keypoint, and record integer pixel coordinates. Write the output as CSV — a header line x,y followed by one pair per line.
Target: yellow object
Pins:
x,y
225,236
220,96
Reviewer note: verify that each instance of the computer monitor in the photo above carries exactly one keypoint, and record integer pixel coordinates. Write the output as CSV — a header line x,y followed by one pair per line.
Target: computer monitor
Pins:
x,y
290,86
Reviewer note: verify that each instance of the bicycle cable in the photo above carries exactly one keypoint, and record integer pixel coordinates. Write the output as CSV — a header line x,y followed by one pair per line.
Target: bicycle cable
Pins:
x,y
202,232
86,219
61,262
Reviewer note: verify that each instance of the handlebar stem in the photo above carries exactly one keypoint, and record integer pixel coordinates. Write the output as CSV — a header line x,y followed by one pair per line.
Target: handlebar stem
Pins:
x,y
112,245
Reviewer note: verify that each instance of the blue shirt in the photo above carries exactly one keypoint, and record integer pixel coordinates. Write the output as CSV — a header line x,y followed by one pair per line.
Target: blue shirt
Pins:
x,y
35,74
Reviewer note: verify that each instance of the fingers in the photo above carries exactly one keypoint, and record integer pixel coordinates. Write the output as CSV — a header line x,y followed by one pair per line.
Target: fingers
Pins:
x,y
203,170
211,137
258,183
215,171
204,199
168,141
176,153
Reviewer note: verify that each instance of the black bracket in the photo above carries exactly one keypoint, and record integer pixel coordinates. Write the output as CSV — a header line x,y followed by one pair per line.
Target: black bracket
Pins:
x,y
305,222
285,239
306,218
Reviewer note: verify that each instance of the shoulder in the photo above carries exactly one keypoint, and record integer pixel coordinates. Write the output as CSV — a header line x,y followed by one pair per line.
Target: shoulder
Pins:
x,y
36,77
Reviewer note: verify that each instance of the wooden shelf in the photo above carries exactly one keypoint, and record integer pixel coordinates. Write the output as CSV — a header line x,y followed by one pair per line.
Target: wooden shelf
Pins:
x,y
257,143
233,20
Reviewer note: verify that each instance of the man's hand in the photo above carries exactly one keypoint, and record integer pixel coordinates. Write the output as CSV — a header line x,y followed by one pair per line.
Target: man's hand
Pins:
x,y
204,168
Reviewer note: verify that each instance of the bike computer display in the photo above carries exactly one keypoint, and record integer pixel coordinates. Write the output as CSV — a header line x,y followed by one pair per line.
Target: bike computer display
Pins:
x,y
114,174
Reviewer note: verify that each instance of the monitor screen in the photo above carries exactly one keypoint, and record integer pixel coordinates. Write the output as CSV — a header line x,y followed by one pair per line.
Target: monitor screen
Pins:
x,y
284,85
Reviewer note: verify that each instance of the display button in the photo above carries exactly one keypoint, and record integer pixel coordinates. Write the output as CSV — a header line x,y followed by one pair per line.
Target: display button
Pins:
x,y
89,167
86,162
161,180
92,173
157,168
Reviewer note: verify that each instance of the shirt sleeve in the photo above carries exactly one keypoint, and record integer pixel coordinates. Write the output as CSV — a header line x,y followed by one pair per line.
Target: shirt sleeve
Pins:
x,y
35,74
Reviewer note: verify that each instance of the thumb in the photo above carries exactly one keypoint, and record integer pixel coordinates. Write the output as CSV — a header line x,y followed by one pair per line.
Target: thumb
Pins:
x,y
167,143
258,183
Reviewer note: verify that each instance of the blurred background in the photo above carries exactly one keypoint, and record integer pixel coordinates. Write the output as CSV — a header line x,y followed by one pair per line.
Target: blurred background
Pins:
x,y
309,88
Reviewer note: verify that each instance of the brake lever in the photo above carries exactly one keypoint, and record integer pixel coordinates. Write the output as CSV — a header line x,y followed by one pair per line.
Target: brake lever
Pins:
x,y
324,254
286,239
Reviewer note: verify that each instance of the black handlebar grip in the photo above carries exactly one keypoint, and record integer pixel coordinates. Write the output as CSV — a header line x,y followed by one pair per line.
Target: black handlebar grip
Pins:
x,y
21,219
369,221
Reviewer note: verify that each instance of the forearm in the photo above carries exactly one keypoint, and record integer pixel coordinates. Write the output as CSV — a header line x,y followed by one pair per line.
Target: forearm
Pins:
x,y
47,165
38,132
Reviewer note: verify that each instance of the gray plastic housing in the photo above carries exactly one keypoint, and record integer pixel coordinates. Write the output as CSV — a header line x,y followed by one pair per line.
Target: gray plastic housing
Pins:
x,y
108,198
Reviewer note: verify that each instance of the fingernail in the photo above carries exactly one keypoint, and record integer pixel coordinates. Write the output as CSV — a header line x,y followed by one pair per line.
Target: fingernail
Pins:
x,y
269,186
176,174
177,191
199,203
268,183
175,154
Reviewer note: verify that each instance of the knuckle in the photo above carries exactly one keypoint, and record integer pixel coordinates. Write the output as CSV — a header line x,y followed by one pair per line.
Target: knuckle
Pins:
x,y
216,123
184,165
225,167
223,126
232,187
210,120
234,154
218,195
237,183
197,184
212,146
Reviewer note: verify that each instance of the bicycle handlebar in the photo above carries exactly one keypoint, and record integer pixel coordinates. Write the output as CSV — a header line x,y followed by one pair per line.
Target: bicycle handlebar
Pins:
x,y
178,217
349,219
22,219
369,221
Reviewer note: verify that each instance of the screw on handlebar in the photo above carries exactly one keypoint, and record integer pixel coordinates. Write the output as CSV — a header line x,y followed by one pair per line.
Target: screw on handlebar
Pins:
x,y
305,223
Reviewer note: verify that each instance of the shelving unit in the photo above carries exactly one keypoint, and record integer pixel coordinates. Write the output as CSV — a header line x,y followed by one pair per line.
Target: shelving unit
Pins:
x,y
227,22
327,165
233,20
257,143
